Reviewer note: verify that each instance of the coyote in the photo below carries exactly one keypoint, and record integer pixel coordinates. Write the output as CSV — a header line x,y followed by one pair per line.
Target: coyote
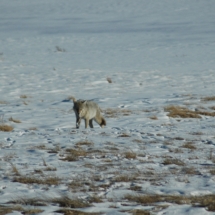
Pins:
x,y
87,110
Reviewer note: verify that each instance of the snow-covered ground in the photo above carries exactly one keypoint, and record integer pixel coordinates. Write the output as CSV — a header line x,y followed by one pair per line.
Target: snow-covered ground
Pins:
x,y
157,54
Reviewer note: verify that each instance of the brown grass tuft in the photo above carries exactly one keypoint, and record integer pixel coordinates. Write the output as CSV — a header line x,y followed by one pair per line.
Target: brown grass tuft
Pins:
x,y
32,129
207,201
14,169
189,145
140,212
36,180
84,143
74,154
153,117
6,128
177,111
75,212
176,161
125,178
6,210
14,120
124,135
115,112
23,97
130,155
208,99
109,80
65,201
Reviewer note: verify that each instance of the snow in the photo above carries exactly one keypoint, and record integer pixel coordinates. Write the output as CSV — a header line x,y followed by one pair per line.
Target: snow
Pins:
x,y
157,53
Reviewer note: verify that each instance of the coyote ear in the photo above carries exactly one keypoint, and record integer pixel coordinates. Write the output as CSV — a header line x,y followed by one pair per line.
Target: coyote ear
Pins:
x,y
84,102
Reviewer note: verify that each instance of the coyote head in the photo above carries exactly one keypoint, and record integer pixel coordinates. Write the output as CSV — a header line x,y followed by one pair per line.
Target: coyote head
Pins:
x,y
79,107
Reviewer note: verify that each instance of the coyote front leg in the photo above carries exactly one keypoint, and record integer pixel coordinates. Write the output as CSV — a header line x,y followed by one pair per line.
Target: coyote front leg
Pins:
x,y
78,122
86,123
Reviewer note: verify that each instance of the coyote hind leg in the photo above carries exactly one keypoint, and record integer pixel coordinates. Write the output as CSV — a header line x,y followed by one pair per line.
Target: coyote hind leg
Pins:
x,y
91,123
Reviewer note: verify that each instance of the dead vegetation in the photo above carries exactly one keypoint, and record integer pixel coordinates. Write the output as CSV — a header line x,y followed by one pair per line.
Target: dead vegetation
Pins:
x,y
188,145
75,212
35,180
32,128
130,155
124,135
109,80
84,143
23,96
14,169
153,117
125,177
175,161
66,201
207,201
116,112
72,154
208,98
6,128
6,210
183,112
14,120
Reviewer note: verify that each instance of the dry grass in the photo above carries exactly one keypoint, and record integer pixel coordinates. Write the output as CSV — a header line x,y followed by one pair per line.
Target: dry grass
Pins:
x,y
49,168
95,199
44,162
189,145
208,99
153,117
14,169
116,112
6,128
23,97
35,180
125,178
75,212
140,212
170,161
207,201
124,135
212,171
197,133
32,129
59,49
190,171
32,201
84,143
74,154
130,155
109,80
6,210
65,201
182,112
14,120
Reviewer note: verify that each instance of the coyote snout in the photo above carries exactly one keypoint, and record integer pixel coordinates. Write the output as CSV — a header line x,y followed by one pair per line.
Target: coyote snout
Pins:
x,y
89,111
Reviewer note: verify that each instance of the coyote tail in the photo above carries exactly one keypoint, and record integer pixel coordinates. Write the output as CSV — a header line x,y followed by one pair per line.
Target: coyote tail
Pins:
x,y
103,122
73,98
